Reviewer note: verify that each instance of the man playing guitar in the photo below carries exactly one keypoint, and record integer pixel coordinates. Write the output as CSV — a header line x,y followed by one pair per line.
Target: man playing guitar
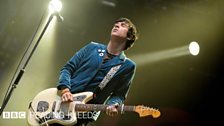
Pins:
x,y
89,66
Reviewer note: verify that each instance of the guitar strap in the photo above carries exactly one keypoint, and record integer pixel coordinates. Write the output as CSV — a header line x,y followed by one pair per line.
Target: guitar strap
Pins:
x,y
103,83
109,76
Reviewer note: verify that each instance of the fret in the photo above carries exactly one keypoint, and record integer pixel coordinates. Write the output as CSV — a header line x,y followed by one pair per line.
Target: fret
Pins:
x,y
128,108
97,107
88,107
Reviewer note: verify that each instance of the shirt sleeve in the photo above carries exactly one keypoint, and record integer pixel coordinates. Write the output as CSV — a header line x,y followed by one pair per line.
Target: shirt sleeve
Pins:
x,y
70,67
120,94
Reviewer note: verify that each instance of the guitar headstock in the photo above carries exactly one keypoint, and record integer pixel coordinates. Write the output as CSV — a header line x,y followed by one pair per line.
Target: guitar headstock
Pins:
x,y
146,111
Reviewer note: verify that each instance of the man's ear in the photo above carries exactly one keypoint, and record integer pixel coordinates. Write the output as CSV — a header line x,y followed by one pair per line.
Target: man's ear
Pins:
x,y
129,38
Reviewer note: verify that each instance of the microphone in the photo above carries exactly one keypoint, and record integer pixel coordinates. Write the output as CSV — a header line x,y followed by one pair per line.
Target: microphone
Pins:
x,y
59,17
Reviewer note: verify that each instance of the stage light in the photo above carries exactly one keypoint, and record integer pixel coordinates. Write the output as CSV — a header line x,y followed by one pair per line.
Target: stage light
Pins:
x,y
194,48
154,57
110,3
55,6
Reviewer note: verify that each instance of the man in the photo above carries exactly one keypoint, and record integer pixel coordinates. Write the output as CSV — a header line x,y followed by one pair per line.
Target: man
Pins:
x,y
88,67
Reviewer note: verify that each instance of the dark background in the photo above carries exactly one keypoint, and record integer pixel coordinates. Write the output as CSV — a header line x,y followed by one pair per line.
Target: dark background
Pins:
x,y
186,89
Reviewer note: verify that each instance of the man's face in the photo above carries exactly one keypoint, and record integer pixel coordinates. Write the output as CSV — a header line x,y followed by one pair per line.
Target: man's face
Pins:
x,y
120,30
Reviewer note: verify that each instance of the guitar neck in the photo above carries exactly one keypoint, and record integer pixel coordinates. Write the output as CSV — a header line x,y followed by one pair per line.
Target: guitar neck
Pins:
x,y
99,107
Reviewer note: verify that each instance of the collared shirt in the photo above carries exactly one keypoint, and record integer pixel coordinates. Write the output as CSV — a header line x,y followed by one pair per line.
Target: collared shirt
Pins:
x,y
85,70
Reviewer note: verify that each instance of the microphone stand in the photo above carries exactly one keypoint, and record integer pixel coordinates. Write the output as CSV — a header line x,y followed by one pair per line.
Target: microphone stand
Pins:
x,y
21,72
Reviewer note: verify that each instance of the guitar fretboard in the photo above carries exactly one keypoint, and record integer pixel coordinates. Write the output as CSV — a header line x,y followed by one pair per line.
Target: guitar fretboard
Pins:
x,y
98,107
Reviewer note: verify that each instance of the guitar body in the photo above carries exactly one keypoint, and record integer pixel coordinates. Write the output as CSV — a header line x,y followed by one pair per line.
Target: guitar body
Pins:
x,y
47,107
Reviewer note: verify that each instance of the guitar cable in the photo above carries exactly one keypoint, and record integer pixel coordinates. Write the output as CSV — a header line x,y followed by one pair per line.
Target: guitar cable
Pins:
x,y
33,112
45,121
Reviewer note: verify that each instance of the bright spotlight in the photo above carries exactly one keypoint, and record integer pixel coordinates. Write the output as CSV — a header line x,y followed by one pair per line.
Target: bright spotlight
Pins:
x,y
55,6
194,48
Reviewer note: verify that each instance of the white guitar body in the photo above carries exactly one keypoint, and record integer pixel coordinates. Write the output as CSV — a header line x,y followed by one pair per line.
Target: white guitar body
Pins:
x,y
47,108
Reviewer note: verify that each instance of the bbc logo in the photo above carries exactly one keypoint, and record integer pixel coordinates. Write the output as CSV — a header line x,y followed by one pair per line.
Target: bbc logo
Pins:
x,y
14,115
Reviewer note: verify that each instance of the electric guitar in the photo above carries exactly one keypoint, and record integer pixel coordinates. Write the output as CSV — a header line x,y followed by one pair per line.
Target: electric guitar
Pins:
x,y
47,108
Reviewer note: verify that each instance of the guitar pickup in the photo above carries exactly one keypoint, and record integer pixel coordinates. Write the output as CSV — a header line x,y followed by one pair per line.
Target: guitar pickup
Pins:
x,y
42,106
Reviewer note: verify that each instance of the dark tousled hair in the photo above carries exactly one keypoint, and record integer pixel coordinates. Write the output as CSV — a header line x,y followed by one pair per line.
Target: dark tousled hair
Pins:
x,y
132,32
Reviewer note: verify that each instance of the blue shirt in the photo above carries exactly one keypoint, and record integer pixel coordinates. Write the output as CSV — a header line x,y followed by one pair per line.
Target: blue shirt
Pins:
x,y
85,70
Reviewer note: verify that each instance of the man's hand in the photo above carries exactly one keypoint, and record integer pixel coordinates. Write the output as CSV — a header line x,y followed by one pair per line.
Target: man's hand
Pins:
x,y
112,110
66,95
